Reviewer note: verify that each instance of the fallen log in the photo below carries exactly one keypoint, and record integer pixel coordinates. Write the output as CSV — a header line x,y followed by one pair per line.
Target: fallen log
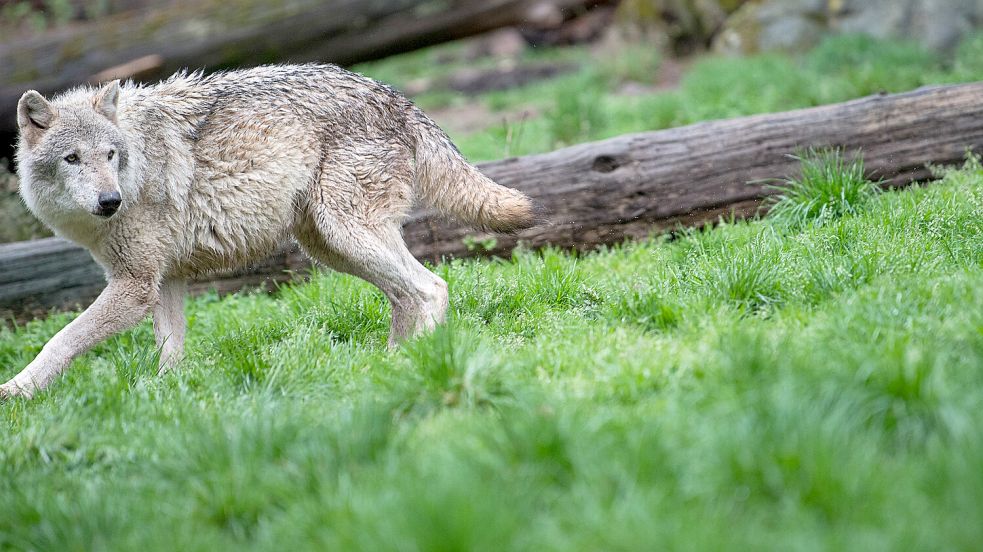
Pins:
x,y
630,186
608,191
147,44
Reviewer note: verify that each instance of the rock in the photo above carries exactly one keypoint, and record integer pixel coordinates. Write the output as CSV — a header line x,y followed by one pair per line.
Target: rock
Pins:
x,y
790,25
936,24
503,43
796,25
680,25
585,27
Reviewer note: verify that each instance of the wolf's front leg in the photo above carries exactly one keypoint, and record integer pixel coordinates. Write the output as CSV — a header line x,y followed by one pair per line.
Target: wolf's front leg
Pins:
x,y
122,305
169,323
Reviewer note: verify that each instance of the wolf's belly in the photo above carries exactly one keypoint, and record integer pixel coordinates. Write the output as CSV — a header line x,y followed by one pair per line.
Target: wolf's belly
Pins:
x,y
207,257
232,222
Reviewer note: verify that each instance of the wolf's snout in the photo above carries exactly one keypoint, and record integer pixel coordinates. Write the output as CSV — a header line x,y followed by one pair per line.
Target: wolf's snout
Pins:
x,y
109,203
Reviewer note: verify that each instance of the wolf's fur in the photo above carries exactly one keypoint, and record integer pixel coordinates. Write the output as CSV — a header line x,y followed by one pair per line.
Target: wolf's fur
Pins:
x,y
217,171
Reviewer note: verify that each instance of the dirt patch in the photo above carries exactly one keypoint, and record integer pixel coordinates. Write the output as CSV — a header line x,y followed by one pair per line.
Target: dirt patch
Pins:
x,y
667,78
474,117
505,76
471,81
671,71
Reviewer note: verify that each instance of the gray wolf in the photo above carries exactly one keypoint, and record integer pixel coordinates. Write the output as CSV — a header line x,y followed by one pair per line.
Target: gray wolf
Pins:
x,y
198,173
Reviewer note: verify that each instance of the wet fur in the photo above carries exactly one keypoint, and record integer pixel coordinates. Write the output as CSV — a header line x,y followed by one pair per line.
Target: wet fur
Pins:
x,y
218,171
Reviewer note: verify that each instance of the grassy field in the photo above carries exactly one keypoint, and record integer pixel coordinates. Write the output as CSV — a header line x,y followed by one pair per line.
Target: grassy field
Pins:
x,y
808,381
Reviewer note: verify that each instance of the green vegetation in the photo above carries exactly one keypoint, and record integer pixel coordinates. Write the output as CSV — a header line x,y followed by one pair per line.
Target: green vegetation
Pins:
x,y
752,386
591,104
812,380
38,15
829,186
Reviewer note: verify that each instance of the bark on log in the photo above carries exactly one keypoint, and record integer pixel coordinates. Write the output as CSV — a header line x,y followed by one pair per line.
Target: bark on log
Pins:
x,y
629,186
625,187
149,44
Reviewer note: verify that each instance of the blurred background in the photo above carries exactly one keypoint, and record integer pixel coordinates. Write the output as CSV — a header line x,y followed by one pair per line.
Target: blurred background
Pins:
x,y
505,77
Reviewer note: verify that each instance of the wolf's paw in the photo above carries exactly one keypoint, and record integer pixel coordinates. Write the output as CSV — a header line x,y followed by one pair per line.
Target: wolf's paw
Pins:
x,y
10,390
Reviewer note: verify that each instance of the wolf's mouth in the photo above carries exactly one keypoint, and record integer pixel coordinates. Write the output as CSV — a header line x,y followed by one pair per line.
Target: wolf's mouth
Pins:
x,y
105,212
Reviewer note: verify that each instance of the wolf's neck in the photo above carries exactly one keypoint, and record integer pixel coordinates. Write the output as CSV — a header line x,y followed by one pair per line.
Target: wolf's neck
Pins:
x,y
83,229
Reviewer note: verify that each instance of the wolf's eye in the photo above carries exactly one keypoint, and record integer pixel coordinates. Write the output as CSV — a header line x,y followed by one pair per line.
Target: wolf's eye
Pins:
x,y
111,154
72,158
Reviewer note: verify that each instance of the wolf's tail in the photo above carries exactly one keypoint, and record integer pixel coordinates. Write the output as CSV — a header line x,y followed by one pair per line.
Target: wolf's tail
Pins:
x,y
455,187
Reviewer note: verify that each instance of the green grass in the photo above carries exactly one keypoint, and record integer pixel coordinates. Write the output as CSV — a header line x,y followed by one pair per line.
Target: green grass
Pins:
x,y
813,380
752,386
587,105
829,186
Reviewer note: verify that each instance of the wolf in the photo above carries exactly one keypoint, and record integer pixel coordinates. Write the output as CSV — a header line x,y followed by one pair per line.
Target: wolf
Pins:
x,y
200,173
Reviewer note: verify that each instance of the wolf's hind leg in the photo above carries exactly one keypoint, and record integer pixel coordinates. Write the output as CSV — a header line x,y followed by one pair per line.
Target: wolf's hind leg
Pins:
x,y
379,255
169,323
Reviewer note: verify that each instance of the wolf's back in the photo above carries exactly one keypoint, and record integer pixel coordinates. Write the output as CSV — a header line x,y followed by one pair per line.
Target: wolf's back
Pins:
x,y
454,186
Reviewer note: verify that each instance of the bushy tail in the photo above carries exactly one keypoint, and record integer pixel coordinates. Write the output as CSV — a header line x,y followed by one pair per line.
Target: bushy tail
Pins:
x,y
455,187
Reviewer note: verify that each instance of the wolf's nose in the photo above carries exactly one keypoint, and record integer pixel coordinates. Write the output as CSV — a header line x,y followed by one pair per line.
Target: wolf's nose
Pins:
x,y
109,203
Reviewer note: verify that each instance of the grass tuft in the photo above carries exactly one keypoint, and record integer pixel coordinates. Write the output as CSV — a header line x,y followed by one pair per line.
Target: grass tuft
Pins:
x,y
830,186
452,368
649,308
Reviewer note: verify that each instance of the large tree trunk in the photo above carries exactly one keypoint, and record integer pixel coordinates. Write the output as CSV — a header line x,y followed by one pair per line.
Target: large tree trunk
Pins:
x,y
626,187
212,34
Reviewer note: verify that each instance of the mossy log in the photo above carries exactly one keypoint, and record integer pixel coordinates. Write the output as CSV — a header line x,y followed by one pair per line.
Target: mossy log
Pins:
x,y
606,192
212,34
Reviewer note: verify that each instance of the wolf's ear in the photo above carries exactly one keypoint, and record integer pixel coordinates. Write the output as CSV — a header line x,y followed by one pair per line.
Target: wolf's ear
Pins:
x,y
106,100
34,115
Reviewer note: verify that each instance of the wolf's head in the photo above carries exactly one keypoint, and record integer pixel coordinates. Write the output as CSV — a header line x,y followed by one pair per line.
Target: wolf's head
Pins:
x,y
70,154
